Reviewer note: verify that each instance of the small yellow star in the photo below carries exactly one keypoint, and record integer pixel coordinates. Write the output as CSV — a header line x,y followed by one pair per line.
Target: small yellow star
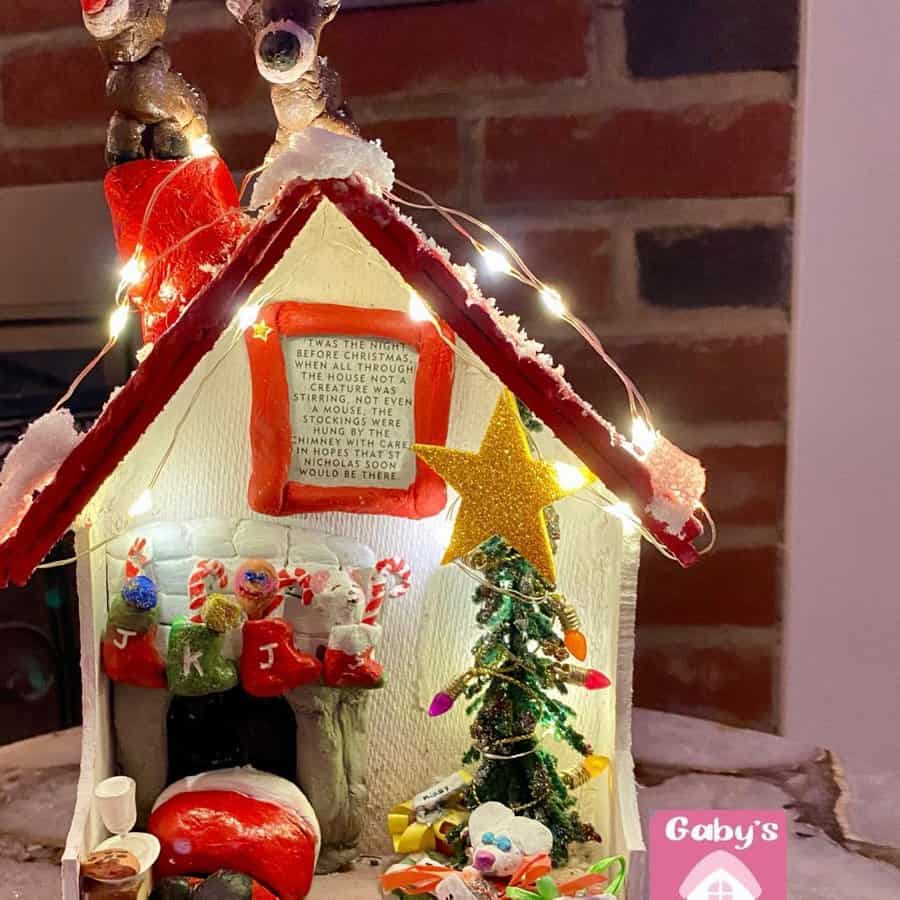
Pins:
x,y
503,490
262,330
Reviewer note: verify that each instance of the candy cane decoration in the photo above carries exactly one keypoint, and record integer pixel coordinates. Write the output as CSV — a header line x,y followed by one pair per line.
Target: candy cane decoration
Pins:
x,y
136,558
208,573
392,568
286,581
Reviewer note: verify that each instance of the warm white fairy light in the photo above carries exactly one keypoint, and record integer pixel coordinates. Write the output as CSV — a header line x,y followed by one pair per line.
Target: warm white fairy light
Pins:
x,y
621,510
118,319
496,262
142,505
553,301
202,146
417,309
133,271
248,315
571,478
642,435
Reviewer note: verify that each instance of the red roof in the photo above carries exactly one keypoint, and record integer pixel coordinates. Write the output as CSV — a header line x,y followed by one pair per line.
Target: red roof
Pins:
x,y
181,347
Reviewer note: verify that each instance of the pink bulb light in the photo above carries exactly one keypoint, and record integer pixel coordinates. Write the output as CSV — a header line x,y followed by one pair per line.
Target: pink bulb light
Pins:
x,y
441,703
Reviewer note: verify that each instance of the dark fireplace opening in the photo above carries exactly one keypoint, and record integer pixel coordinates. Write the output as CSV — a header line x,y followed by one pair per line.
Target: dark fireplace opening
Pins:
x,y
229,729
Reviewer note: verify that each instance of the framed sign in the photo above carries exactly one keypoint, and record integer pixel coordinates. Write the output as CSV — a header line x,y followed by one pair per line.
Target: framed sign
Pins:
x,y
339,394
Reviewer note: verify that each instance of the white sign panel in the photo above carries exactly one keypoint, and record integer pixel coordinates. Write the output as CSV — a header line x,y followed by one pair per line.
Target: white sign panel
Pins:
x,y
351,402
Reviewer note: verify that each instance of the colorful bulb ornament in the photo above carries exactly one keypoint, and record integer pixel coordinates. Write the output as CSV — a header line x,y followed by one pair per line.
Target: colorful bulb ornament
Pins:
x,y
587,770
443,701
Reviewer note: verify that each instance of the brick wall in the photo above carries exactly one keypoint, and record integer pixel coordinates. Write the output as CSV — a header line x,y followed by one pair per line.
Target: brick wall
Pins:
x,y
640,154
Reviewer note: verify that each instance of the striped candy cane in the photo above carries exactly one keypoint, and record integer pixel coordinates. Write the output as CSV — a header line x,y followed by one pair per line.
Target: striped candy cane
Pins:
x,y
288,584
136,558
391,568
208,573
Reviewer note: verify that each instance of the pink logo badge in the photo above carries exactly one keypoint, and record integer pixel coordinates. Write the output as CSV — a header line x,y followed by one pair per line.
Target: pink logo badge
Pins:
x,y
718,854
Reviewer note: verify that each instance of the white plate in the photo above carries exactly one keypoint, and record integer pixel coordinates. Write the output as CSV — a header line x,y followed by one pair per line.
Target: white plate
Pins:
x,y
144,846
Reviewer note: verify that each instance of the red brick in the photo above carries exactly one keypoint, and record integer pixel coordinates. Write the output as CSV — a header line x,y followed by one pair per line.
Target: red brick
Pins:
x,y
37,15
426,152
52,164
575,261
447,46
714,380
54,86
731,586
49,86
702,151
220,63
710,673
746,485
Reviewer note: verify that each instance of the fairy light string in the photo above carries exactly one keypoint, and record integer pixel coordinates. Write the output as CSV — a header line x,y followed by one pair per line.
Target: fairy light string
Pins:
x,y
136,271
519,270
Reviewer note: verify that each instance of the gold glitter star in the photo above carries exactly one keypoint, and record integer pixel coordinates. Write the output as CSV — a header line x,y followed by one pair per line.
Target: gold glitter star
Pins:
x,y
503,490
262,330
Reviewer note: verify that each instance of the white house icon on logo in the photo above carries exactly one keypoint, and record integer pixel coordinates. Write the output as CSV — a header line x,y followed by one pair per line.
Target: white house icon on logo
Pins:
x,y
720,876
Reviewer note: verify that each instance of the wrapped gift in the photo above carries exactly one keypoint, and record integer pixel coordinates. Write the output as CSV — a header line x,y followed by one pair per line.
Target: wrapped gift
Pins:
x,y
423,823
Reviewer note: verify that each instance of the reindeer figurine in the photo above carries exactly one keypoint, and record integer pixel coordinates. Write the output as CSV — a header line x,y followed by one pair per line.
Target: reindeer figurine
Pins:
x,y
306,91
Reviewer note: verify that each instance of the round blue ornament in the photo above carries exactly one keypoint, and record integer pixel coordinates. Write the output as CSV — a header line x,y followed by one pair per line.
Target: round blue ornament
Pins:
x,y
140,592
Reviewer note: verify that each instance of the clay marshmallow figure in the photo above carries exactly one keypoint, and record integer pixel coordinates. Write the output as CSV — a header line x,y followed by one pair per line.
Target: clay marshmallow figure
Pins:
x,y
328,623
500,839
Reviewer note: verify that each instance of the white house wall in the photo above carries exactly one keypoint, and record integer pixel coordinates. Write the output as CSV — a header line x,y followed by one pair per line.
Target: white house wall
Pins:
x,y
429,632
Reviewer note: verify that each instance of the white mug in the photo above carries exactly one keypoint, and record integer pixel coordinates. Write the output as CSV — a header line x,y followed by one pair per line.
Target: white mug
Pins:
x,y
116,803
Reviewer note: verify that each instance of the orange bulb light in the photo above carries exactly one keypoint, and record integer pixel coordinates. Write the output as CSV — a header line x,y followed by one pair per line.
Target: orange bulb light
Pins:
x,y
576,644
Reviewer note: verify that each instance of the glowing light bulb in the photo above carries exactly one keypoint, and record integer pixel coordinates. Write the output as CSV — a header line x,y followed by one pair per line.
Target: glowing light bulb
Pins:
x,y
624,512
248,316
441,703
202,146
595,765
595,680
553,301
571,478
418,311
496,262
117,321
576,644
133,270
642,436
142,505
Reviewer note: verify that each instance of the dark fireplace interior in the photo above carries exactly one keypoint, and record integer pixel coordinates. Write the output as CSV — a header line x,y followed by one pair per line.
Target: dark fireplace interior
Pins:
x,y
229,729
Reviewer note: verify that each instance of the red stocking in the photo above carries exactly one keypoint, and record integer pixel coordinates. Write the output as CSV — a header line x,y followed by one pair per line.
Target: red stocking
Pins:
x,y
132,658
270,663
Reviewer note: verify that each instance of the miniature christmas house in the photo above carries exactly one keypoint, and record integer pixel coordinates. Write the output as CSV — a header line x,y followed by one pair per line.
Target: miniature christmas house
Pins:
x,y
248,508
267,453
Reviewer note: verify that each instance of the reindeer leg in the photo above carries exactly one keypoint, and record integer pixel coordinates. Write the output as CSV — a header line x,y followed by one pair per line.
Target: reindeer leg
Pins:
x,y
156,111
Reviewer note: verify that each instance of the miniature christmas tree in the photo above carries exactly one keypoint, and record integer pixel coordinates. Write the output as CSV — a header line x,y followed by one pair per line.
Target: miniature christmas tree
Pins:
x,y
518,663
529,632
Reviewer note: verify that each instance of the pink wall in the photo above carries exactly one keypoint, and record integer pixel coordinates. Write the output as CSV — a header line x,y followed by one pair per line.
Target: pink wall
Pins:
x,y
842,642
